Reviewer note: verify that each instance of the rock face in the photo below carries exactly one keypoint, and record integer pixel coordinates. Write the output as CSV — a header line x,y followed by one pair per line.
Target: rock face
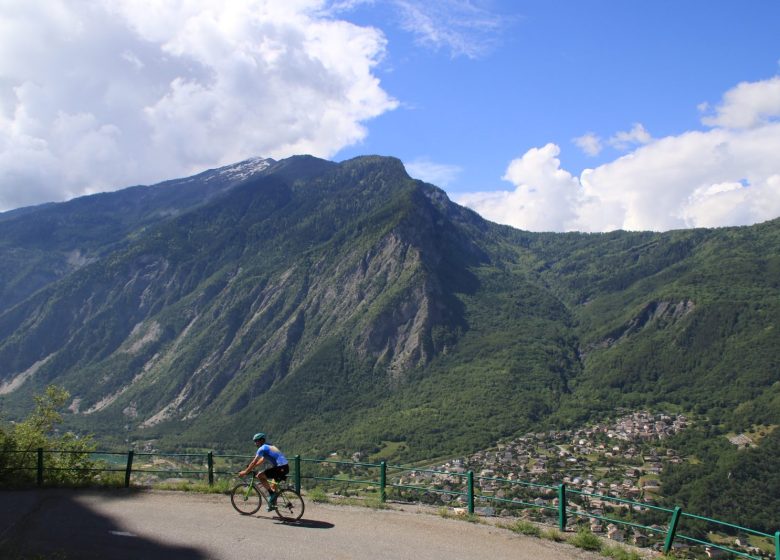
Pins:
x,y
659,313
215,307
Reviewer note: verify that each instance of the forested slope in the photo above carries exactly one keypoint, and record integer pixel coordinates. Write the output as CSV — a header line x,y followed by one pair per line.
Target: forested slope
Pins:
x,y
347,307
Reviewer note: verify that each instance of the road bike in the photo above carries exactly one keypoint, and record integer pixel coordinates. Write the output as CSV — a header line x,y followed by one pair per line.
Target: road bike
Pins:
x,y
247,497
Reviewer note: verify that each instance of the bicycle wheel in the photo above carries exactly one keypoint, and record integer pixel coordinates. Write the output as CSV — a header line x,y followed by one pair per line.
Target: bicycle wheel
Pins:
x,y
289,505
246,499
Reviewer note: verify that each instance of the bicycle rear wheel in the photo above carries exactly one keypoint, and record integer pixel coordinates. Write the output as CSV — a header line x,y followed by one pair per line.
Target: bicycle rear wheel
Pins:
x,y
289,505
246,499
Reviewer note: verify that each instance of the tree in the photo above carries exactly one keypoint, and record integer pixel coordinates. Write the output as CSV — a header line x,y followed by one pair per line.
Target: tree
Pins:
x,y
67,456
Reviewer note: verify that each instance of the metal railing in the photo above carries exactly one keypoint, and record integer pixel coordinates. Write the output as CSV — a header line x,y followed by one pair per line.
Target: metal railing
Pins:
x,y
561,501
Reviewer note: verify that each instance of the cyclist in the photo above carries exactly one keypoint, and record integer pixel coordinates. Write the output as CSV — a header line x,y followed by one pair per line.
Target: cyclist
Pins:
x,y
276,468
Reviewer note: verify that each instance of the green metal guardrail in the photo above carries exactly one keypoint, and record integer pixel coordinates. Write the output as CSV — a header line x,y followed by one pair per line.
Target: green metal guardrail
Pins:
x,y
565,509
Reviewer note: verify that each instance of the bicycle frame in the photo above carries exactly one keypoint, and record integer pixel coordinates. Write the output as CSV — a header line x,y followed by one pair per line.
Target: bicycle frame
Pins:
x,y
251,480
250,485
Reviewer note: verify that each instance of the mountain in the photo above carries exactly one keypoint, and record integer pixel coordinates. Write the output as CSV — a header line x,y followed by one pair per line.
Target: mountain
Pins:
x,y
41,244
347,306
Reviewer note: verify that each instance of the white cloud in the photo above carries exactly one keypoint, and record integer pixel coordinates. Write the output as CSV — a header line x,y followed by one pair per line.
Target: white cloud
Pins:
x,y
439,174
460,26
589,143
748,105
545,199
723,176
627,139
101,94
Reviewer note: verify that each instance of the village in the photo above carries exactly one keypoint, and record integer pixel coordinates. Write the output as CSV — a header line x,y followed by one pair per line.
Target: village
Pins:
x,y
600,466
610,470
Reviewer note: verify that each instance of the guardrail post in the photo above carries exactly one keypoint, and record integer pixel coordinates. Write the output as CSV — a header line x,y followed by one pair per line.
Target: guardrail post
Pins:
x,y
39,478
210,461
471,491
777,545
382,482
562,507
129,468
672,529
298,473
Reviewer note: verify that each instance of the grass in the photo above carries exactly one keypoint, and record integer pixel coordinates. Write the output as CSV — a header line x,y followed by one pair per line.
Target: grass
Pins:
x,y
762,542
619,553
219,487
368,502
585,540
447,513
553,535
525,528
318,495
389,450
760,431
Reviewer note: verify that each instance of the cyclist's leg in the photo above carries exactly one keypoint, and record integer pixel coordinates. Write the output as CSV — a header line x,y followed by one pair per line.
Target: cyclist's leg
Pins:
x,y
261,476
279,474
276,474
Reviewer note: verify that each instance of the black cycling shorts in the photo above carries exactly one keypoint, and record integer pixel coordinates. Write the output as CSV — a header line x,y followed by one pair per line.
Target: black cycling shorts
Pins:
x,y
277,473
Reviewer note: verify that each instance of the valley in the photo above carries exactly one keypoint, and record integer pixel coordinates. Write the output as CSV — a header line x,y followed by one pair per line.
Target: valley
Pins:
x,y
348,308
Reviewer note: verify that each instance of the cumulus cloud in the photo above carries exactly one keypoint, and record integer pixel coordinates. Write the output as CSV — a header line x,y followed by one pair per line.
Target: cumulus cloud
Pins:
x,y
100,94
725,175
439,174
748,105
545,198
625,140
589,143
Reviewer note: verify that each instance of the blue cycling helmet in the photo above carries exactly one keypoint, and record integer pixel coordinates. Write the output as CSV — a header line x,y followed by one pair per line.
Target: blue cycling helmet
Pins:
x,y
258,436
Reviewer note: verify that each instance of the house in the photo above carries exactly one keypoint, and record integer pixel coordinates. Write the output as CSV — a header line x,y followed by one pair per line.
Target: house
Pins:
x,y
614,533
639,538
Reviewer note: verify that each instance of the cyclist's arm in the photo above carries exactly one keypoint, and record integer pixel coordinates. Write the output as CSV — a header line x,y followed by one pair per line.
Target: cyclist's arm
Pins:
x,y
256,462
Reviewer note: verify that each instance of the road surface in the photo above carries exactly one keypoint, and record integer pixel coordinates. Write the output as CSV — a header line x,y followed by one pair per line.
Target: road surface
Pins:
x,y
138,524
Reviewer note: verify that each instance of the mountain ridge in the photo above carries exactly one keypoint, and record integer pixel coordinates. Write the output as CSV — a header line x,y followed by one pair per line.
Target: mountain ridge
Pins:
x,y
349,307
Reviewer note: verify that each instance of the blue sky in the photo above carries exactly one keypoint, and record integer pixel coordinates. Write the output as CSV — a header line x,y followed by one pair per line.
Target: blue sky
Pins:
x,y
586,115
554,71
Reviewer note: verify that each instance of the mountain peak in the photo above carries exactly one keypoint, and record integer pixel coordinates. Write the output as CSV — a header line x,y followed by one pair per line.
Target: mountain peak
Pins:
x,y
241,170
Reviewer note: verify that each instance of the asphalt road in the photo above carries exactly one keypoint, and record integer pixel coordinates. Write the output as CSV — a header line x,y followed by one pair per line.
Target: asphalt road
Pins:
x,y
132,524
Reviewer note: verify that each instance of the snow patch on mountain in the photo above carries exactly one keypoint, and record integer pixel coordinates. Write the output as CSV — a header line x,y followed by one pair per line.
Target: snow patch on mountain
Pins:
x,y
241,170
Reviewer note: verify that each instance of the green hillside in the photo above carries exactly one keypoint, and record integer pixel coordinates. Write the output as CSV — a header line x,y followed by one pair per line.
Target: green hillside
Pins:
x,y
346,307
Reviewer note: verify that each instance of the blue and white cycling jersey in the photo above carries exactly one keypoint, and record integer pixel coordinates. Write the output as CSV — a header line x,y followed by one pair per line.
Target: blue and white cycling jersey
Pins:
x,y
272,455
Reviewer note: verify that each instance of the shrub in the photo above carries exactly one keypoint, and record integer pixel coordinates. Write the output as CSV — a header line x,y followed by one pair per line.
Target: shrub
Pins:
x,y
526,528
586,540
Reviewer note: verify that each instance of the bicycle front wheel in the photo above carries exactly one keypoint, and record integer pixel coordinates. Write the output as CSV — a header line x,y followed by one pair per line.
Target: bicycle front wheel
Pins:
x,y
246,499
289,505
